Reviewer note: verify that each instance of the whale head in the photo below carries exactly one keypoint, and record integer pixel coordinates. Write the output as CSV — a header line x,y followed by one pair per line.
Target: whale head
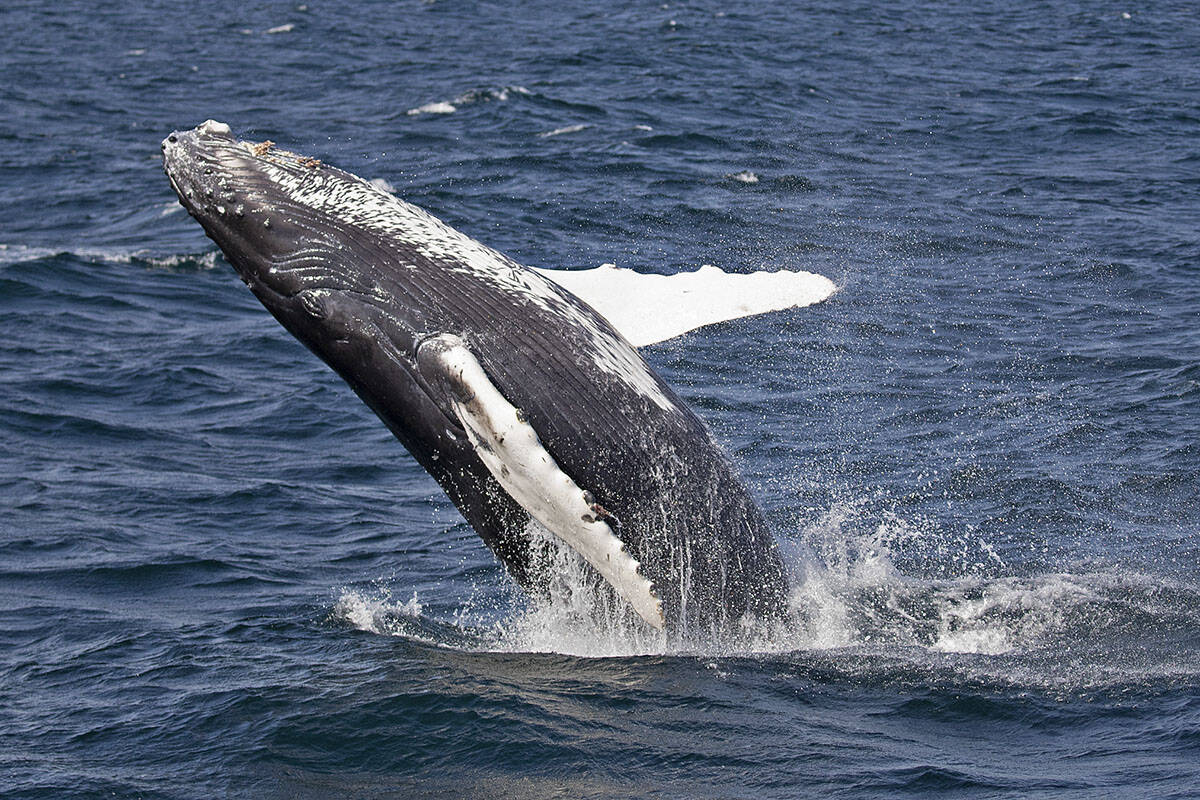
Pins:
x,y
246,196
282,221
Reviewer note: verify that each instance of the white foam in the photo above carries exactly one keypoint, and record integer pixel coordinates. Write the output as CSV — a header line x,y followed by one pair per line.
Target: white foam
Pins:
x,y
648,308
1005,614
984,642
207,260
847,592
281,28
371,613
568,129
499,94
433,108
380,613
745,176
576,616
18,253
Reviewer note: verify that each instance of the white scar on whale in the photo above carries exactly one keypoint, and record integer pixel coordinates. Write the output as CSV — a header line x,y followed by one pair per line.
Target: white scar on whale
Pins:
x,y
509,447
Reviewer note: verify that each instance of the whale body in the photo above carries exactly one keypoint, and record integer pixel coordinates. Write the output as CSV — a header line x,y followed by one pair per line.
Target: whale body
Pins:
x,y
527,407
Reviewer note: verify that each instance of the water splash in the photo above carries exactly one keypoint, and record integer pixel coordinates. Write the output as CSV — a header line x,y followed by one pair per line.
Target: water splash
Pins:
x,y
848,599
379,612
577,614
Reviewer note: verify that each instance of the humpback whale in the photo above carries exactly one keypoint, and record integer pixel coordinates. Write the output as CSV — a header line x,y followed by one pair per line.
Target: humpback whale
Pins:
x,y
522,401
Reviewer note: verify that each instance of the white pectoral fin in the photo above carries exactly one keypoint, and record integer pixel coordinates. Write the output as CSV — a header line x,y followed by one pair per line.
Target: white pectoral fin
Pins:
x,y
509,447
648,308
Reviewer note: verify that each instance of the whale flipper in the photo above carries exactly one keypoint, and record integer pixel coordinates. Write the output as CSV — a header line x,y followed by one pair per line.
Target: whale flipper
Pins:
x,y
513,453
648,308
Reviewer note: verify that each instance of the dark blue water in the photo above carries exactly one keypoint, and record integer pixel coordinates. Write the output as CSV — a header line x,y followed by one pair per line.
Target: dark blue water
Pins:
x,y
221,576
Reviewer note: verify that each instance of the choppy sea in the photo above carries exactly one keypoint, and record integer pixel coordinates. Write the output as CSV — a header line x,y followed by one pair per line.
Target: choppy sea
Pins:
x,y
220,576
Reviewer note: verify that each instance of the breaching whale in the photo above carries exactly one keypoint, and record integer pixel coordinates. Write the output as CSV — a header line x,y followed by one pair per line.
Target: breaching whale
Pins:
x,y
520,400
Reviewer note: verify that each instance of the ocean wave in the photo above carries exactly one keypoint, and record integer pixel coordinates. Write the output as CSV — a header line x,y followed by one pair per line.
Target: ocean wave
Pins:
x,y
478,95
565,129
745,176
439,107
15,254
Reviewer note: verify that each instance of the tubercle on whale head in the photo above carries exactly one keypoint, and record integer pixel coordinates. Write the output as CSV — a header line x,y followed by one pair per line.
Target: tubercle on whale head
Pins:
x,y
231,188
198,164
227,186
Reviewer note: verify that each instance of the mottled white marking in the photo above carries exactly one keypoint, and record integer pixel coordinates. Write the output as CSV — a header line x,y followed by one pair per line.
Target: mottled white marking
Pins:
x,y
360,203
509,447
649,308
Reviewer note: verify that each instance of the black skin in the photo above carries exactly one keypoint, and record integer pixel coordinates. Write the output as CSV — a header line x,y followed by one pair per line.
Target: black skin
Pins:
x,y
364,301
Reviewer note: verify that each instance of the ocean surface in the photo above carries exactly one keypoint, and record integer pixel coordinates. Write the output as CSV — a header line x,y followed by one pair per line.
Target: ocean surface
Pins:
x,y
220,576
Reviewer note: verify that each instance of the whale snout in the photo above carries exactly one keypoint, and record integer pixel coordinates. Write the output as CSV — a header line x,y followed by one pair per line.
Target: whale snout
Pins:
x,y
218,180
210,132
192,169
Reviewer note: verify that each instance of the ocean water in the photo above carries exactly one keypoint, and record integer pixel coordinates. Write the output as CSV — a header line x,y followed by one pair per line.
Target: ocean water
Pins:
x,y
221,576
